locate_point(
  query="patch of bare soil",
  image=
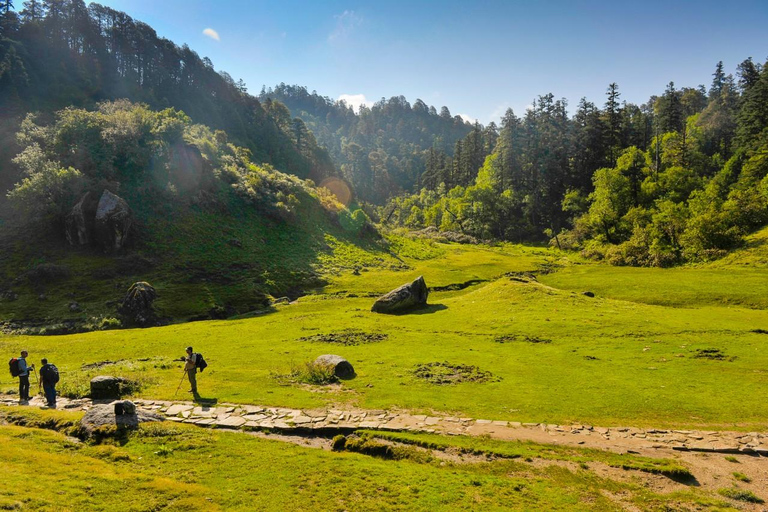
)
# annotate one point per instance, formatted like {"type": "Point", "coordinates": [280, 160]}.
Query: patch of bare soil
{"type": "Point", "coordinates": [348, 337]}
{"type": "Point", "coordinates": [509, 338]}
{"type": "Point", "coordinates": [447, 373]}
{"type": "Point", "coordinates": [306, 441]}
{"type": "Point", "coordinates": [713, 353]}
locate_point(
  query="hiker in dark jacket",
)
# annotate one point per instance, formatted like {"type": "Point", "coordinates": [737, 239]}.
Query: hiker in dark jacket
{"type": "Point", "coordinates": [49, 377]}
{"type": "Point", "coordinates": [24, 377]}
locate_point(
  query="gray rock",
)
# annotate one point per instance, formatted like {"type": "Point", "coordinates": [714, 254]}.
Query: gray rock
{"type": "Point", "coordinates": [126, 406]}
{"type": "Point", "coordinates": [341, 367]}
{"type": "Point", "coordinates": [137, 307]}
{"type": "Point", "coordinates": [113, 222]}
{"type": "Point", "coordinates": [74, 307]}
{"type": "Point", "coordinates": [406, 297]}
{"type": "Point", "coordinates": [104, 414]}
{"type": "Point", "coordinates": [76, 224]}
{"type": "Point", "coordinates": [105, 387]}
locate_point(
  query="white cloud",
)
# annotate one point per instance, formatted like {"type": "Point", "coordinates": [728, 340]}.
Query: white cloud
{"type": "Point", "coordinates": [354, 100]}
{"type": "Point", "coordinates": [468, 119]}
{"type": "Point", "coordinates": [346, 22]}
{"type": "Point", "coordinates": [499, 112]}
{"type": "Point", "coordinates": [212, 34]}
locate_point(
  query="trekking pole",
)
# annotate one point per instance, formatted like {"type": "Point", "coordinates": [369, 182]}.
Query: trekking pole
{"type": "Point", "coordinates": [180, 383]}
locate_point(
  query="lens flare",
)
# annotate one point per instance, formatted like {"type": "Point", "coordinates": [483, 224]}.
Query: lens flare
{"type": "Point", "coordinates": [338, 188]}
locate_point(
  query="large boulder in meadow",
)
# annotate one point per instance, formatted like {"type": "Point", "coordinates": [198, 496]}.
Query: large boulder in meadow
{"type": "Point", "coordinates": [341, 367]}
{"type": "Point", "coordinates": [137, 307]}
{"type": "Point", "coordinates": [101, 415]}
{"type": "Point", "coordinates": [105, 387]}
{"type": "Point", "coordinates": [113, 222]}
{"type": "Point", "coordinates": [408, 296]}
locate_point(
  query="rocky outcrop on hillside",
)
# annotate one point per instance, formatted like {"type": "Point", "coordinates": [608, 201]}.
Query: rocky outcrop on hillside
{"type": "Point", "coordinates": [137, 307]}
{"type": "Point", "coordinates": [113, 222]}
{"type": "Point", "coordinates": [107, 223]}
{"type": "Point", "coordinates": [187, 167]}
{"type": "Point", "coordinates": [77, 224]}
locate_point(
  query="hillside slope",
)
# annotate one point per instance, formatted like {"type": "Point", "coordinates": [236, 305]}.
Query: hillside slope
{"type": "Point", "coordinates": [214, 233]}
{"type": "Point", "coordinates": [73, 55]}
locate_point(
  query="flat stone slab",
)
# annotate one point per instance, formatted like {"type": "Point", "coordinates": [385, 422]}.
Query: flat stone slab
{"type": "Point", "coordinates": [231, 421]}
{"type": "Point", "coordinates": [177, 409]}
{"type": "Point", "coordinates": [255, 417]}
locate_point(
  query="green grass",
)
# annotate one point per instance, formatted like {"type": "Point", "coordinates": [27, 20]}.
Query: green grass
{"type": "Point", "coordinates": [682, 287]}
{"type": "Point", "coordinates": [198, 259]}
{"type": "Point", "coordinates": [182, 467]}
{"type": "Point", "coordinates": [753, 254]}
{"type": "Point", "coordinates": [738, 280]}
{"type": "Point", "coordinates": [609, 362]}
{"type": "Point", "coordinates": [440, 264]}
{"type": "Point", "coordinates": [527, 450]}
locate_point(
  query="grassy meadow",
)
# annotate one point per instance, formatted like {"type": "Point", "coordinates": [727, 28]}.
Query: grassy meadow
{"type": "Point", "coordinates": [658, 348]}
{"type": "Point", "coordinates": [181, 467]}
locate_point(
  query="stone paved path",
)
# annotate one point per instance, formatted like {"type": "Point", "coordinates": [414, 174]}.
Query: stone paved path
{"type": "Point", "coordinates": [328, 421]}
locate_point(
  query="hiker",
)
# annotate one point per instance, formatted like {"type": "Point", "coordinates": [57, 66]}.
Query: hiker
{"type": "Point", "coordinates": [191, 368]}
{"type": "Point", "coordinates": [24, 376]}
{"type": "Point", "coordinates": [49, 377]}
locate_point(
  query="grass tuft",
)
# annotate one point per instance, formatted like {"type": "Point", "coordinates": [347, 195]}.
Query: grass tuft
{"type": "Point", "coordinates": [317, 374]}
{"type": "Point", "coordinates": [740, 495]}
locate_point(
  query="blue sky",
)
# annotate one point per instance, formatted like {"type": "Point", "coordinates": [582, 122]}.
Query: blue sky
{"type": "Point", "coordinates": [476, 57]}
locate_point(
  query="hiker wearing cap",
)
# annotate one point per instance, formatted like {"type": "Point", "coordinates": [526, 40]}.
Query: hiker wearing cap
{"type": "Point", "coordinates": [49, 377]}
{"type": "Point", "coordinates": [190, 367]}
{"type": "Point", "coordinates": [24, 376]}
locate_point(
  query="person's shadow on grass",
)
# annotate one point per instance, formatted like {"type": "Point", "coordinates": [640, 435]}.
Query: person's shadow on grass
{"type": "Point", "coordinates": [203, 400]}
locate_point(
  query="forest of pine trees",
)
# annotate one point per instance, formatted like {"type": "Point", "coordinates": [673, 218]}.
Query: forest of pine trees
{"type": "Point", "coordinates": [382, 149]}
{"type": "Point", "coordinates": [680, 178]}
